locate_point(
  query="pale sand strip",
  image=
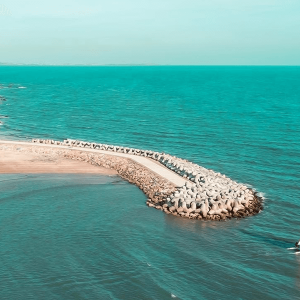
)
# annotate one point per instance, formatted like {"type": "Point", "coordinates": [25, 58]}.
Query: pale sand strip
{"type": "Point", "coordinates": [17, 162]}
{"type": "Point", "coordinates": [61, 165]}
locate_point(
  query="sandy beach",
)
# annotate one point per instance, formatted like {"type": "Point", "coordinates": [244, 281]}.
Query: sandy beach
{"type": "Point", "coordinates": [18, 162]}
{"type": "Point", "coordinates": [24, 157]}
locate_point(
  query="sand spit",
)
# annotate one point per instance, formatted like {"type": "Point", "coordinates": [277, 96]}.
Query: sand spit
{"type": "Point", "coordinates": [13, 161]}
{"type": "Point", "coordinates": [201, 194]}
{"type": "Point", "coordinates": [153, 185]}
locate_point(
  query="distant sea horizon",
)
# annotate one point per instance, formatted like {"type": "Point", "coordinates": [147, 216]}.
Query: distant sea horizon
{"type": "Point", "coordinates": [144, 65]}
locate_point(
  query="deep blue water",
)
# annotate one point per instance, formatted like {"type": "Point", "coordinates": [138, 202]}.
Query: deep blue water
{"type": "Point", "coordinates": [240, 121]}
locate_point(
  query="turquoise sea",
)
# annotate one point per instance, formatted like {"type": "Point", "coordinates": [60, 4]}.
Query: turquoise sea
{"type": "Point", "coordinates": [92, 237]}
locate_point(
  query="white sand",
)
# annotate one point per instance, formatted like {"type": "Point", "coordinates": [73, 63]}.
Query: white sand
{"type": "Point", "coordinates": [18, 162]}
{"type": "Point", "coordinates": [64, 166]}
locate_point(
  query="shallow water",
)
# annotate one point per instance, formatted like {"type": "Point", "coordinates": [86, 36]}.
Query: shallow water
{"type": "Point", "coordinates": [240, 121]}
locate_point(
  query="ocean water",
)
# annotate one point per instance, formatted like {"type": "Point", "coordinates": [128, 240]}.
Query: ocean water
{"type": "Point", "coordinates": [93, 237]}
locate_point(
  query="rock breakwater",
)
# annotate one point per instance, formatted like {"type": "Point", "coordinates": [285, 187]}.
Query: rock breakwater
{"type": "Point", "coordinates": [205, 195]}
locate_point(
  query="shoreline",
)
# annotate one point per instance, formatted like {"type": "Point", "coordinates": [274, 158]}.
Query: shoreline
{"type": "Point", "coordinates": [13, 162]}
{"type": "Point", "coordinates": [173, 185]}
{"type": "Point", "coordinates": [154, 186]}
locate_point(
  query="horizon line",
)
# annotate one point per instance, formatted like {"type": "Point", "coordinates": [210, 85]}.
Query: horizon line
{"type": "Point", "coordinates": [144, 65]}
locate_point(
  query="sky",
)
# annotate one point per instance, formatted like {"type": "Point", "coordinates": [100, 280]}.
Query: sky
{"type": "Point", "coordinates": [159, 32]}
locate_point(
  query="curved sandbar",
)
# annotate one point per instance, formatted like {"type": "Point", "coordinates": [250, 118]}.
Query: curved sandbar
{"type": "Point", "coordinates": [172, 184]}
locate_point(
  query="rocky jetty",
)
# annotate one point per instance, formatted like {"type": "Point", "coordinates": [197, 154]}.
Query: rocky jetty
{"type": "Point", "coordinates": [206, 194]}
